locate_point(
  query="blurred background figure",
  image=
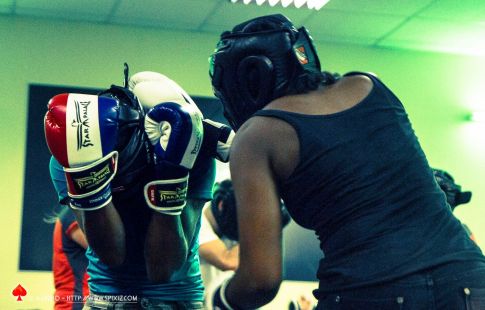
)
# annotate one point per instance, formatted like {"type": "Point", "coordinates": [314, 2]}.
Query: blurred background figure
{"type": "Point", "coordinates": [454, 195]}
{"type": "Point", "coordinates": [69, 261]}
{"type": "Point", "coordinates": [219, 254]}
{"type": "Point", "coordinates": [303, 302]}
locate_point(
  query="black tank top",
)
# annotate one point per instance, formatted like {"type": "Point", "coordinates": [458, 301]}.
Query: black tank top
{"type": "Point", "coordinates": [364, 185]}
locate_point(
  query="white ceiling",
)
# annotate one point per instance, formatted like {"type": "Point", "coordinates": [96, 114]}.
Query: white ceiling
{"type": "Point", "coordinates": [456, 26]}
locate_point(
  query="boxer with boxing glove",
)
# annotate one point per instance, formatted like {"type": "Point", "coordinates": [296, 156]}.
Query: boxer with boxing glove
{"type": "Point", "coordinates": [155, 212]}
{"type": "Point", "coordinates": [342, 154]}
{"type": "Point", "coordinates": [175, 132]}
{"type": "Point", "coordinates": [81, 133]}
{"type": "Point", "coordinates": [156, 92]}
{"type": "Point", "coordinates": [150, 86]}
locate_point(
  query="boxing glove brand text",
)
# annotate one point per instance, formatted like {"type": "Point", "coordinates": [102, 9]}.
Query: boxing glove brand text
{"type": "Point", "coordinates": [179, 194]}
{"type": "Point", "coordinates": [82, 124]}
{"type": "Point", "coordinates": [95, 178]}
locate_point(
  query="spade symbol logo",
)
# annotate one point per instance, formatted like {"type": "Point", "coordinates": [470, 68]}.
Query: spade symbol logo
{"type": "Point", "coordinates": [19, 291]}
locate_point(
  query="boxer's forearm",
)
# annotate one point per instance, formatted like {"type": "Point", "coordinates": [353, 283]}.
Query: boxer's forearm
{"type": "Point", "coordinates": [105, 233]}
{"type": "Point", "coordinates": [168, 240]}
{"type": "Point", "coordinates": [165, 247]}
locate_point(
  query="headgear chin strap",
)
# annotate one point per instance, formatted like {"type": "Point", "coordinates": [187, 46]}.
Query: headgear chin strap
{"type": "Point", "coordinates": [454, 195]}
{"type": "Point", "coordinates": [257, 62]}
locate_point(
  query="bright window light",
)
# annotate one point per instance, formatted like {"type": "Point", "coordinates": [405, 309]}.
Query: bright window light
{"type": "Point", "coordinates": [286, 3]}
{"type": "Point", "coordinates": [299, 4]}
{"type": "Point", "coordinates": [477, 116]}
{"type": "Point", "coordinates": [320, 3]}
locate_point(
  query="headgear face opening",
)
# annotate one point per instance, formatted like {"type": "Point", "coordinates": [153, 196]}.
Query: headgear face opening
{"type": "Point", "coordinates": [454, 195]}
{"type": "Point", "coordinates": [257, 62]}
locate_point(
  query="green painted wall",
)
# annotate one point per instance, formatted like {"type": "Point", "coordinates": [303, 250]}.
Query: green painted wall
{"type": "Point", "coordinates": [437, 89]}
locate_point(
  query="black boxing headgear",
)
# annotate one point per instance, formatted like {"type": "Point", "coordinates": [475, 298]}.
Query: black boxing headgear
{"type": "Point", "coordinates": [132, 144]}
{"type": "Point", "coordinates": [225, 214]}
{"type": "Point", "coordinates": [258, 61]}
{"type": "Point", "coordinates": [453, 192]}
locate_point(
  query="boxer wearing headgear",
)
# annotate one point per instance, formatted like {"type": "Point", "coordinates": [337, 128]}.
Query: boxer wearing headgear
{"type": "Point", "coordinates": [343, 156]}
{"type": "Point", "coordinates": [261, 60]}
{"type": "Point", "coordinates": [141, 211]}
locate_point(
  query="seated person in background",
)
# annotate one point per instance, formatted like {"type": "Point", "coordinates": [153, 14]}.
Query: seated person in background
{"type": "Point", "coordinates": [138, 169]}
{"type": "Point", "coordinates": [454, 195]}
{"type": "Point", "coordinates": [69, 262]}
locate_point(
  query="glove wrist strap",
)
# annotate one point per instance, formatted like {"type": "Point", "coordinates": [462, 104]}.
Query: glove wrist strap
{"type": "Point", "coordinates": [94, 202]}
{"type": "Point", "coordinates": [88, 186]}
{"type": "Point", "coordinates": [167, 196]}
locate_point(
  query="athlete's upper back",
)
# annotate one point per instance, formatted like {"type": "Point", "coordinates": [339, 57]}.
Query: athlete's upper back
{"type": "Point", "coordinates": [363, 183]}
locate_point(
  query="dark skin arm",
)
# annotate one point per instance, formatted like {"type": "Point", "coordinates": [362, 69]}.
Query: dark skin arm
{"type": "Point", "coordinates": [166, 243]}
{"type": "Point", "coordinates": [252, 165]}
{"type": "Point", "coordinates": [168, 239]}
{"type": "Point", "coordinates": [108, 242]}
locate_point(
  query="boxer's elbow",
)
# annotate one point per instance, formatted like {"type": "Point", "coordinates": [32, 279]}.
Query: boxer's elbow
{"type": "Point", "coordinates": [264, 291]}
{"type": "Point", "coordinates": [265, 285]}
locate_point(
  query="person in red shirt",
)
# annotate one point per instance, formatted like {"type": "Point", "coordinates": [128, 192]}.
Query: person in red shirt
{"type": "Point", "coordinates": [69, 262]}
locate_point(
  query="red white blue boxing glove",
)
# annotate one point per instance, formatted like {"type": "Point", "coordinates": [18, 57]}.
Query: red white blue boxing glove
{"type": "Point", "coordinates": [81, 133]}
{"type": "Point", "coordinates": [176, 133]}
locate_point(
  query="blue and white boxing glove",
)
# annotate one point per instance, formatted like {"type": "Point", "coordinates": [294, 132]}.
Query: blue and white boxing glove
{"type": "Point", "coordinates": [81, 132]}
{"type": "Point", "coordinates": [176, 133]}
{"type": "Point", "coordinates": [152, 88]}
